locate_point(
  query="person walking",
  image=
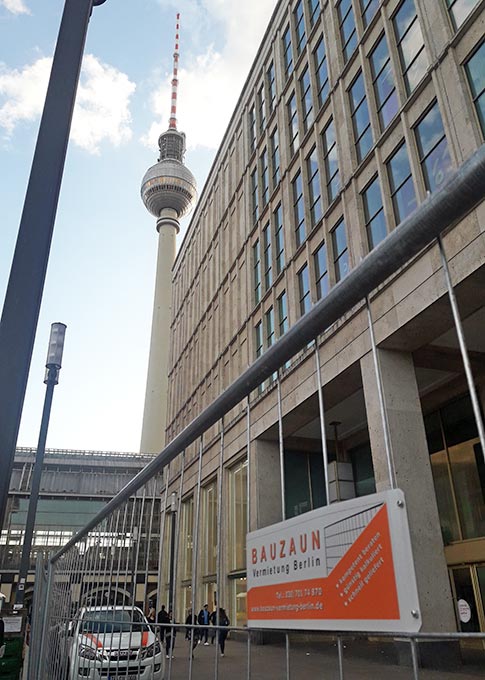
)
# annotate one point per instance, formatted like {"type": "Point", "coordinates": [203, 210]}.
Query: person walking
{"type": "Point", "coordinates": [204, 620]}
{"type": "Point", "coordinates": [213, 621]}
{"type": "Point", "coordinates": [162, 619]}
{"type": "Point", "coordinates": [170, 634]}
{"type": "Point", "coordinates": [152, 612]}
{"type": "Point", "coordinates": [191, 634]}
{"type": "Point", "coordinates": [222, 632]}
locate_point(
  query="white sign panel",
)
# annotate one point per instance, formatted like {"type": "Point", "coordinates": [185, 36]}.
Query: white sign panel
{"type": "Point", "coordinates": [347, 566]}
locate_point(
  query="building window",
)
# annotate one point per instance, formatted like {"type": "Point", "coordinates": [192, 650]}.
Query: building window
{"type": "Point", "coordinates": [275, 158]}
{"type": "Point", "coordinates": [267, 258]}
{"type": "Point", "coordinates": [293, 123]}
{"type": "Point", "coordinates": [401, 182]}
{"type": "Point", "coordinates": [264, 178]}
{"type": "Point", "coordinates": [475, 70]}
{"type": "Point", "coordinates": [313, 11]}
{"type": "Point", "coordinates": [252, 129]}
{"type": "Point", "coordinates": [321, 70]}
{"type": "Point", "coordinates": [360, 117]}
{"type": "Point", "coordinates": [209, 529]}
{"type": "Point", "coordinates": [368, 8]}
{"type": "Point", "coordinates": [299, 27]}
{"type": "Point", "coordinates": [299, 210]}
{"type": "Point", "coordinates": [433, 149]}
{"type": "Point", "coordinates": [279, 239]}
{"type": "Point", "coordinates": [282, 314]}
{"type": "Point", "coordinates": [340, 251]}
{"type": "Point", "coordinates": [348, 32]}
{"type": "Point", "coordinates": [375, 221]}
{"type": "Point", "coordinates": [270, 328]}
{"type": "Point", "coordinates": [261, 110]}
{"type": "Point", "coordinates": [287, 52]}
{"type": "Point", "coordinates": [270, 79]}
{"type": "Point", "coordinates": [383, 81]}
{"type": "Point", "coordinates": [306, 99]}
{"type": "Point", "coordinates": [321, 271]}
{"type": "Point", "coordinates": [410, 43]}
{"type": "Point", "coordinates": [254, 195]}
{"type": "Point", "coordinates": [331, 161]}
{"type": "Point", "coordinates": [304, 290]}
{"type": "Point", "coordinates": [187, 537]}
{"type": "Point", "coordinates": [238, 494]}
{"type": "Point", "coordinates": [314, 187]}
{"type": "Point", "coordinates": [258, 339]}
{"type": "Point", "coordinates": [460, 9]}
{"type": "Point", "coordinates": [257, 272]}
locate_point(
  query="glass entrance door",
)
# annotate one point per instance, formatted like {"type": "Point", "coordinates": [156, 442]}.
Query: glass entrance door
{"type": "Point", "coordinates": [469, 591]}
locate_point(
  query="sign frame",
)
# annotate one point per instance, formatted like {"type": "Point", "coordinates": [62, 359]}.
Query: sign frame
{"type": "Point", "coordinates": [351, 548]}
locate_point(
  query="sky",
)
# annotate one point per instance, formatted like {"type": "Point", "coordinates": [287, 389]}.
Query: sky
{"type": "Point", "coordinates": [101, 274]}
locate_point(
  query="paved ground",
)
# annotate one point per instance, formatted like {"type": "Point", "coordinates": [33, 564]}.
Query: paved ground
{"type": "Point", "coordinates": [307, 662]}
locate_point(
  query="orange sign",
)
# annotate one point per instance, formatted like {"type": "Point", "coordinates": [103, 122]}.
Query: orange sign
{"type": "Point", "coordinates": [335, 568]}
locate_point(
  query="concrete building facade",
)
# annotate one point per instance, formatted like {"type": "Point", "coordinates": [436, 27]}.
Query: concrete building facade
{"type": "Point", "coordinates": [353, 111]}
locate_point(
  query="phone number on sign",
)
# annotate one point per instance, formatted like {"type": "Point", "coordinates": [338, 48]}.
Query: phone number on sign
{"type": "Point", "coordinates": [299, 592]}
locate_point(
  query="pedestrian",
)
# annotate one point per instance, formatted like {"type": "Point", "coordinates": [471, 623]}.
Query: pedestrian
{"type": "Point", "coordinates": [213, 621]}
{"type": "Point", "coordinates": [163, 618]}
{"type": "Point", "coordinates": [152, 612]}
{"type": "Point", "coordinates": [204, 620]}
{"type": "Point", "coordinates": [191, 633]}
{"type": "Point", "coordinates": [170, 634]}
{"type": "Point", "coordinates": [222, 632]}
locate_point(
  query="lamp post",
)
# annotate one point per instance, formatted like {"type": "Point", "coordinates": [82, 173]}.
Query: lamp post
{"type": "Point", "coordinates": [173, 512]}
{"type": "Point", "coordinates": [53, 366]}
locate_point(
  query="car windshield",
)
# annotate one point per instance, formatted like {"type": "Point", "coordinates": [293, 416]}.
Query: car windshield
{"type": "Point", "coordinates": [113, 621]}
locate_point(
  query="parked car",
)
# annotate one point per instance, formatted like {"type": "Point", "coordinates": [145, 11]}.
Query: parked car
{"type": "Point", "coordinates": [113, 643]}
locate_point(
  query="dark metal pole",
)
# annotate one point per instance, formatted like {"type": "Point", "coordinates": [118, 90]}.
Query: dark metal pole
{"type": "Point", "coordinates": [34, 490]}
{"type": "Point", "coordinates": [53, 366]}
{"type": "Point", "coordinates": [27, 275]}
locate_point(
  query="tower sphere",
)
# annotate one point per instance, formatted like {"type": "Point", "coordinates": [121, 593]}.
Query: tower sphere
{"type": "Point", "coordinates": [168, 184]}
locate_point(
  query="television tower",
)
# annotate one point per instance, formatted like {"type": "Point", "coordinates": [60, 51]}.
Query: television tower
{"type": "Point", "coordinates": [169, 192]}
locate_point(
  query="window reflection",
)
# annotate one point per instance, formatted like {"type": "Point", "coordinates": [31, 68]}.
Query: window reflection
{"type": "Point", "coordinates": [433, 149]}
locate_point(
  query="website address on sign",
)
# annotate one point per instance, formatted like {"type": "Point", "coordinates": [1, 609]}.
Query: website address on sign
{"type": "Point", "coordinates": [298, 607]}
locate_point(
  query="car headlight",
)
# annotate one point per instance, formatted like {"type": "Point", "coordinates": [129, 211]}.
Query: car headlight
{"type": "Point", "coordinates": [86, 652]}
{"type": "Point", "coordinates": [152, 650]}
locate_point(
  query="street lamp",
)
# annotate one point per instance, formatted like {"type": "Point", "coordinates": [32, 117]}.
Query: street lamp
{"type": "Point", "coordinates": [53, 366]}
{"type": "Point", "coordinates": [173, 512]}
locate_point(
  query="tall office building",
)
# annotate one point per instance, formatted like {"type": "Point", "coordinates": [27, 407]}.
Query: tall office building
{"type": "Point", "coordinates": [168, 190]}
{"type": "Point", "coordinates": [353, 111]}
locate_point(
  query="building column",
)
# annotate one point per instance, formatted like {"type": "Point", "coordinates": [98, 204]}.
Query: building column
{"type": "Point", "coordinates": [265, 484]}
{"type": "Point", "coordinates": [413, 476]}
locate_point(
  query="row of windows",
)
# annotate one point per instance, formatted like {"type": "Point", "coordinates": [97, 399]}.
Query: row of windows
{"type": "Point", "coordinates": [436, 165]}
{"type": "Point", "coordinates": [434, 159]}
{"type": "Point", "coordinates": [413, 66]}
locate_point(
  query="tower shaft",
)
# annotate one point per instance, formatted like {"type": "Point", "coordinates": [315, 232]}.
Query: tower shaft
{"type": "Point", "coordinates": [156, 394]}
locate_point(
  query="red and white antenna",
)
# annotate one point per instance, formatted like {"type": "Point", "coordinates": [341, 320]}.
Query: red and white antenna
{"type": "Point", "coordinates": [173, 111]}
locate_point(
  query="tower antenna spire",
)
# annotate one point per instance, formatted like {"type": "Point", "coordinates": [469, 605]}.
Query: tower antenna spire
{"type": "Point", "coordinates": [173, 110]}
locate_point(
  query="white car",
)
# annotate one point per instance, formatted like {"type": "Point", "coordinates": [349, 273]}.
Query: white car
{"type": "Point", "coordinates": [113, 643]}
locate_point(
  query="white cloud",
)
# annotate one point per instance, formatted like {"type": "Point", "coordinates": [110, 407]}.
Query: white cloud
{"type": "Point", "coordinates": [102, 105]}
{"type": "Point", "coordinates": [15, 6]}
{"type": "Point", "coordinates": [211, 84]}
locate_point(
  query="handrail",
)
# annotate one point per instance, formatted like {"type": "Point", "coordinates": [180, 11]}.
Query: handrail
{"type": "Point", "coordinates": [464, 190]}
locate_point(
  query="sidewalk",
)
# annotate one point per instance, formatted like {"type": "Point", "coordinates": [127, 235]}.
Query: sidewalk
{"type": "Point", "coordinates": [268, 662]}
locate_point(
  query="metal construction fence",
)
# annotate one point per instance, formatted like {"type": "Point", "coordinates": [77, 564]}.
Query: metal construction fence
{"type": "Point", "coordinates": [85, 620]}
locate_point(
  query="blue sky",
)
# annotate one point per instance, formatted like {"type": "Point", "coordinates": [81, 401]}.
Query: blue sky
{"type": "Point", "coordinates": [101, 272]}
